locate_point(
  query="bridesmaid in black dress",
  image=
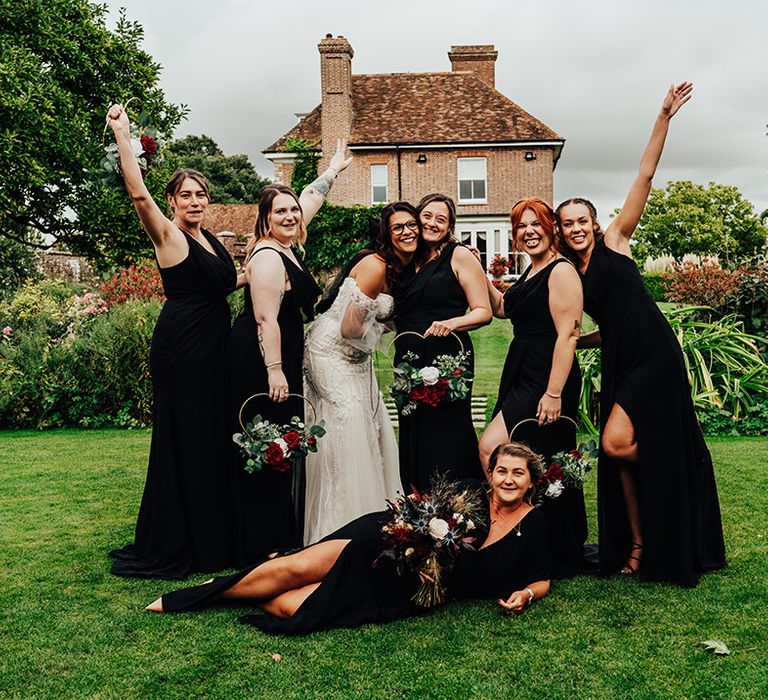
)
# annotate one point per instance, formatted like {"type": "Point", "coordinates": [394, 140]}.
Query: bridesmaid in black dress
{"type": "Point", "coordinates": [541, 377]}
{"type": "Point", "coordinates": [432, 299]}
{"type": "Point", "coordinates": [264, 354]}
{"type": "Point", "coordinates": [181, 526]}
{"type": "Point", "coordinates": [335, 583]}
{"type": "Point", "coordinates": [649, 431]}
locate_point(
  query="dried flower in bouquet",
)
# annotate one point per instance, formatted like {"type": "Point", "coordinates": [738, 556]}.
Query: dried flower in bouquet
{"type": "Point", "coordinates": [428, 530]}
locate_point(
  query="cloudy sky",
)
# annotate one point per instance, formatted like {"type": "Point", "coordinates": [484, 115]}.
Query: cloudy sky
{"type": "Point", "coordinates": [594, 71]}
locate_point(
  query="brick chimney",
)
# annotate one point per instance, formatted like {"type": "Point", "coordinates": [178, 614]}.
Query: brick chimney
{"type": "Point", "coordinates": [478, 58]}
{"type": "Point", "coordinates": [336, 83]}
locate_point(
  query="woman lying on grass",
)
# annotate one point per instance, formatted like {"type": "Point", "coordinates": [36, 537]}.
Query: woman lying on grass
{"type": "Point", "coordinates": [342, 581]}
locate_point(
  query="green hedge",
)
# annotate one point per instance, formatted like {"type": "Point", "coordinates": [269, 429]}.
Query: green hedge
{"type": "Point", "coordinates": [654, 283]}
{"type": "Point", "coordinates": [95, 377]}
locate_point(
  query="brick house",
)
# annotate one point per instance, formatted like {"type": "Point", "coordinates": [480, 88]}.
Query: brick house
{"type": "Point", "coordinates": [415, 133]}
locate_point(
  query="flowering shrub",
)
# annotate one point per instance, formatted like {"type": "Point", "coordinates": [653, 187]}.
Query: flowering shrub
{"type": "Point", "coordinates": [140, 281]}
{"type": "Point", "coordinates": [499, 266]}
{"type": "Point", "coordinates": [750, 300]}
{"type": "Point", "coordinates": [699, 284]}
{"type": "Point", "coordinates": [99, 377]}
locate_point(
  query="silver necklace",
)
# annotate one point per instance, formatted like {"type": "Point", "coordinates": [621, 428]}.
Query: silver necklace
{"type": "Point", "coordinates": [499, 515]}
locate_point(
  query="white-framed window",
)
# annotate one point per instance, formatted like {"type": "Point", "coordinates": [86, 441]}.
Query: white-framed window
{"type": "Point", "coordinates": [472, 180]}
{"type": "Point", "coordinates": [379, 184]}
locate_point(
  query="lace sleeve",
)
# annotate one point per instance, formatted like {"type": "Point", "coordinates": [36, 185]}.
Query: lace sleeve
{"type": "Point", "coordinates": [359, 326]}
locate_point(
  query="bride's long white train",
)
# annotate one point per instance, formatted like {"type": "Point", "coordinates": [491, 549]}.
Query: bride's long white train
{"type": "Point", "coordinates": [356, 467]}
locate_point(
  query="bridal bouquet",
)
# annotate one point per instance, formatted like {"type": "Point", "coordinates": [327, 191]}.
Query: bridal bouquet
{"type": "Point", "coordinates": [449, 379]}
{"type": "Point", "coordinates": [566, 469]}
{"type": "Point", "coordinates": [428, 530]}
{"type": "Point", "coordinates": [277, 447]}
{"type": "Point", "coordinates": [147, 149]}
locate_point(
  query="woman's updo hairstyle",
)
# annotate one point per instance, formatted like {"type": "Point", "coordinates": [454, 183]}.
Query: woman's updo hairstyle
{"type": "Point", "coordinates": [532, 461]}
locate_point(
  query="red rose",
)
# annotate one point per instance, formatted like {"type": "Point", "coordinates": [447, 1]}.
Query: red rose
{"type": "Point", "coordinates": [457, 372]}
{"type": "Point", "coordinates": [292, 439]}
{"type": "Point", "coordinates": [420, 393]}
{"type": "Point", "coordinates": [283, 466]}
{"type": "Point", "coordinates": [576, 454]}
{"type": "Point", "coordinates": [274, 454]}
{"type": "Point", "coordinates": [149, 145]}
{"type": "Point", "coordinates": [312, 441]}
{"type": "Point", "coordinates": [436, 392]}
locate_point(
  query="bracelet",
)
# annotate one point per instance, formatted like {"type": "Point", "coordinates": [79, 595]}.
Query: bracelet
{"type": "Point", "coordinates": [274, 364]}
{"type": "Point", "coordinates": [554, 396]}
{"type": "Point", "coordinates": [531, 596]}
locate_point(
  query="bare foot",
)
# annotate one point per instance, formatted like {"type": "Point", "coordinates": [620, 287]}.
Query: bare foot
{"type": "Point", "coordinates": [157, 606]}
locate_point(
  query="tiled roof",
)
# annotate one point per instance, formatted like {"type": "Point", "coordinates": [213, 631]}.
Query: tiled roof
{"type": "Point", "coordinates": [237, 218]}
{"type": "Point", "coordinates": [428, 108]}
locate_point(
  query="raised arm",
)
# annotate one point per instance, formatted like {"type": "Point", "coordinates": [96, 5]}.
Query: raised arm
{"type": "Point", "coordinates": [159, 228]}
{"type": "Point", "coordinates": [623, 226]}
{"type": "Point", "coordinates": [566, 304]}
{"type": "Point", "coordinates": [473, 281]}
{"type": "Point", "coordinates": [266, 277]}
{"type": "Point", "coordinates": [314, 194]}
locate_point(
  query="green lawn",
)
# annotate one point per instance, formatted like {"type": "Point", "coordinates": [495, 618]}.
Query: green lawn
{"type": "Point", "coordinates": [71, 630]}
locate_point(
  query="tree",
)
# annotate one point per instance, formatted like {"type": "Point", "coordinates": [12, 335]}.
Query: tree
{"type": "Point", "coordinates": [60, 70]}
{"type": "Point", "coordinates": [689, 218]}
{"type": "Point", "coordinates": [233, 179]}
{"type": "Point", "coordinates": [17, 260]}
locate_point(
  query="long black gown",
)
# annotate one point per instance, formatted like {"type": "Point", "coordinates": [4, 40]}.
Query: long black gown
{"type": "Point", "coordinates": [439, 439]}
{"type": "Point", "coordinates": [356, 591]}
{"type": "Point", "coordinates": [181, 526]}
{"type": "Point", "coordinates": [523, 382]}
{"type": "Point", "coordinates": [643, 370]}
{"type": "Point", "coordinates": [267, 507]}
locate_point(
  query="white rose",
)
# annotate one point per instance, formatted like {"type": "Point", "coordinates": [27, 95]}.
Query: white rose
{"type": "Point", "coordinates": [138, 149]}
{"type": "Point", "coordinates": [438, 528]}
{"type": "Point", "coordinates": [554, 489]}
{"type": "Point", "coordinates": [458, 517]}
{"type": "Point", "coordinates": [283, 445]}
{"type": "Point", "coordinates": [429, 375]}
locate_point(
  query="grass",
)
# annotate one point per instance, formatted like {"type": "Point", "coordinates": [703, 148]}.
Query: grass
{"type": "Point", "coordinates": [71, 630]}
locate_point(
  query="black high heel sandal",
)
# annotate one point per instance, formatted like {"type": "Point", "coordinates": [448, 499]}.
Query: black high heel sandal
{"type": "Point", "coordinates": [631, 569]}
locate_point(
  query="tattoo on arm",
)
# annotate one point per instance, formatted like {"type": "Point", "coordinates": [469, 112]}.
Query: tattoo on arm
{"type": "Point", "coordinates": [576, 325]}
{"type": "Point", "coordinates": [322, 186]}
{"type": "Point", "coordinates": [260, 337]}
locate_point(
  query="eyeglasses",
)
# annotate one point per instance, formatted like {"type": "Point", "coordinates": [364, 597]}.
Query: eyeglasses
{"type": "Point", "coordinates": [399, 229]}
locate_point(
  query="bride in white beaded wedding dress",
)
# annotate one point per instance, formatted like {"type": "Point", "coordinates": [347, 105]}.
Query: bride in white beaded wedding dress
{"type": "Point", "coordinates": [356, 467]}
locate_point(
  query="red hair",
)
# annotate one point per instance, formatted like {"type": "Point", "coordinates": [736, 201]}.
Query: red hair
{"type": "Point", "coordinates": [541, 209]}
